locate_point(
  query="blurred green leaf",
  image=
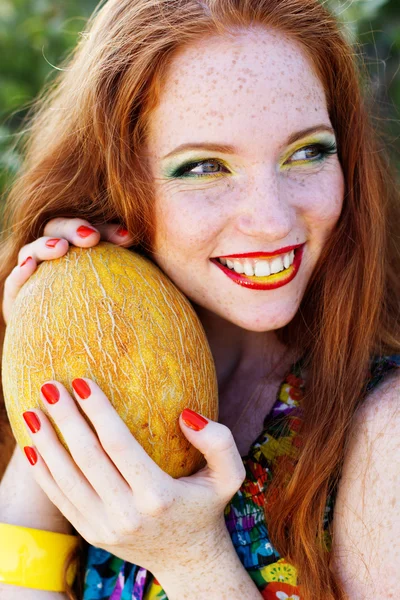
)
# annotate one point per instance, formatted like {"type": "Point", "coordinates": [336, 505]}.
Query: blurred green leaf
{"type": "Point", "coordinates": [37, 34]}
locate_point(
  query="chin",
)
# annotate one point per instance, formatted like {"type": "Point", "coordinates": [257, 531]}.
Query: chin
{"type": "Point", "coordinates": [261, 321]}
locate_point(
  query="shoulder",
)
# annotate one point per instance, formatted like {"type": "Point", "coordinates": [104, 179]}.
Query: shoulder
{"type": "Point", "coordinates": [366, 527]}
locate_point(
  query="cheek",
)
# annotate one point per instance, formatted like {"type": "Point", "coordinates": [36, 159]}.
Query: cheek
{"type": "Point", "coordinates": [184, 225]}
{"type": "Point", "coordinates": [320, 202]}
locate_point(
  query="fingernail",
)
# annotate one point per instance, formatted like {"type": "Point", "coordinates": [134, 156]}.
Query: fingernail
{"type": "Point", "coordinates": [25, 261]}
{"type": "Point", "coordinates": [50, 392]}
{"type": "Point", "coordinates": [84, 231]}
{"type": "Point", "coordinates": [81, 388]}
{"type": "Point", "coordinates": [193, 420]}
{"type": "Point", "coordinates": [32, 420]}
{"type": "Point", "coordinates": [122, 232]}
{"type": "Point", "coordinates": [52, 243]}
{"type": "Point", "coordinates": [31, 454]}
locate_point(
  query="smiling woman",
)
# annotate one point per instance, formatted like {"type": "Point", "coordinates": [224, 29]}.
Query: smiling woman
{"type": "Point", "coordinates": [227, 141]}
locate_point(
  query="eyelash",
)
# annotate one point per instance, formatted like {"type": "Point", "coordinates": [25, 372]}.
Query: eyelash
{"type": "Point", "coordinates": [324, 150]}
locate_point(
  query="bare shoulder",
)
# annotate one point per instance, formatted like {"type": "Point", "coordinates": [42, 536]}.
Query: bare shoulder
{"type": "Point", "coordinates": [366, 525]}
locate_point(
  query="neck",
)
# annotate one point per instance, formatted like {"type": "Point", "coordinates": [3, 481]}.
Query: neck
{"type": "Point", "coordinates": [240, 353]}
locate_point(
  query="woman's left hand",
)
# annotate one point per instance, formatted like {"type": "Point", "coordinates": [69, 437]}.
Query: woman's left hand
{"type": "Point", "coordinates": [117, 497]}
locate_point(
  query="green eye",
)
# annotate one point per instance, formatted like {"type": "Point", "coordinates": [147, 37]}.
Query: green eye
{"type": "Point", "coordinates": [193, 169]}
{"type": "Point", "coordinates": [312, 153]}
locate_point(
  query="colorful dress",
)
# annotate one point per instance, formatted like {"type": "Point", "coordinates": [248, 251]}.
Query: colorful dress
{"type": "Point", "coordinates": [111, 578]}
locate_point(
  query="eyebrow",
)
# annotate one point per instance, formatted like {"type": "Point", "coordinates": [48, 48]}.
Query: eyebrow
{"type": "Point", "coordinates": [228, 149]}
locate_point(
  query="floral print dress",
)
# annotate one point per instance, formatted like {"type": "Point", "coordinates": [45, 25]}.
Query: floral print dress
{"type": "Point", "coordinates": [111, 578]}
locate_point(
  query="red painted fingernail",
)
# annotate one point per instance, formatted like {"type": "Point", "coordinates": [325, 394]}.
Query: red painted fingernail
{"type": "Point", "coordinates": [81, 388]}
{"type": "Point", "coordinates": [122, 232]}
{"type": "Point", "coordinates": [84, 231]}
{"type": "Point", "coordinates": [25, 261]}
{"type": "Point", "coordinates": [193, 420]}
{"type": "Point", "coordinates": [50, 392]}
{"type": "Point", "coordinates": [52, 243]}
{"type": "Point", "coordinates": [31, 454]}
{"type": "Point", "coordinates": [32, 420]}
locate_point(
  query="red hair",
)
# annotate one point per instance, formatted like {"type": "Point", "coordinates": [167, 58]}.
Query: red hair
{"type": "Point", "coordinates": [83, 158]}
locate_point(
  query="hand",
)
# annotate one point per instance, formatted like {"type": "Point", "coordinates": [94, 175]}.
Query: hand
{"type": "Point", "coordinates": [58, 234]}
{"type": "Point", "coordinates": [118, 498]}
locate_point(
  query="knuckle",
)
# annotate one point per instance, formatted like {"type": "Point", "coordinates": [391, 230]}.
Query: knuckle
{"type": "Point", "coordinates": [89, 457]}
{"type": "Point", "coordinates": [67, 484]}
{"type": "Point", "coordinates": [55, 224]}
{"type": "Point", "coordinates": [113, 444]}
{"type": "Point", "coordinates": [156, 505]}
{"type": "Point", "coordinates": [24, 252]}
{"type": "Point", "coordinates": [223, 439]}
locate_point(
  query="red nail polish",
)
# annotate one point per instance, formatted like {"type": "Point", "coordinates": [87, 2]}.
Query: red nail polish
{"type": "Point", "coordinates": [122, 232]}
{"type": "Point", "coordinates": [84, 231]}
{"type": "Point", "coordinates": [50, 392]}
{"type": "Point", "coordinates": [31, 454]}
{"type": "Point", "coordinates": [25, 261]}
{"type": "Point", "coordinates": [193, 420]}
{"type": "Point", "coordinates": [52, 243]}
{"type": "Point", "coordinates": [32, 420]}
{"type": "Point", "coordinates": [81, 388]}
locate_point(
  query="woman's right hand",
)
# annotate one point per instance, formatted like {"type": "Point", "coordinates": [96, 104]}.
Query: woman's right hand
{"type": "Point", "coordinates": [59, 233]}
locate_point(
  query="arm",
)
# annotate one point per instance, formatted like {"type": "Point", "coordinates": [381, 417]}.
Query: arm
{"type": "Point", "coordinates": [366, 526]}
{"type": "Point", "coordinates": [23, 502]}
{"type": "Point", "coordinates": [221, 577]}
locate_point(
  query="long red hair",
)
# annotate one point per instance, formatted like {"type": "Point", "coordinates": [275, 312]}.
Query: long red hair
{"type": "Point", "coordinates": [83, 158]}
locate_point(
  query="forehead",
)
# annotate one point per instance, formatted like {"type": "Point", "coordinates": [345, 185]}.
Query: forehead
{"type": "Point", "coordinates": [256, 80]}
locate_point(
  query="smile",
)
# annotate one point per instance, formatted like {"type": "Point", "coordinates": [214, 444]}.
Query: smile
{"type": "Point", "coordinates": [266, 271]}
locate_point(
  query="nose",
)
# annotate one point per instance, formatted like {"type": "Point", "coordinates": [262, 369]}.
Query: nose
{"type": "Point", "coordinates": [265, 211]}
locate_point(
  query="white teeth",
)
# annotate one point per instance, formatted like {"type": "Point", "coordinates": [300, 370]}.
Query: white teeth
{"type": "Point", "coordinates": [276, 265]}
{"type": "Point", "coordinates": [238, 266]}
{"type": "Point", "coordinates": [262, 268]}
{"type": "Point", "coordinates": [248, 268]}
{"type": "Point", "coordinates": [286, 261]}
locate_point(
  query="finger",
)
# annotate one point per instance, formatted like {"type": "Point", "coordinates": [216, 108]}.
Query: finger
{"type": "Point", "coordinates": [77, 231]}
{"type": "Point", "coordinates": [215, 441]}
{"type": "Point", "coordinates": [44, 248]}
{"type": "Point", "coordinates": [14, 282]}
{"type": "Point", "coordinates": [64, 471]}
{"type": "Point", "coordinates": [115, 233]}
{"type": "Point", "coordinates": [83, 444]}
{"type": "Point", "coordinates": [121, 446]}
{"type": "Point", "coordinates": [45, 480]}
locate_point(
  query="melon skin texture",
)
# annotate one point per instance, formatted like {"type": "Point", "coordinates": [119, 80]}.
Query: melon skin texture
{"type": "Point", "coordinates": [111, 315]}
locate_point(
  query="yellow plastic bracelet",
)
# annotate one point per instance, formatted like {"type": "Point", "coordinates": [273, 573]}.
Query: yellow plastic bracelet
{"type": "Point", "coordinates": [34, 558]}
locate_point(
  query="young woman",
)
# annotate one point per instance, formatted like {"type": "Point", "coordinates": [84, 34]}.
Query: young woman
{"type": "Point", "coordinates": [228, 141]}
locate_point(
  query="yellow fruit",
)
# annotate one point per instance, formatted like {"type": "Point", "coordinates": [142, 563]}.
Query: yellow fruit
{"type": "Point", "coordinates": [109, 314]}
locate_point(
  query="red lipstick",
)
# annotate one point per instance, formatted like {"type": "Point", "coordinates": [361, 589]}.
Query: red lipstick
{"type": "Point", "coordinates": [269, 282]}
{"type": "Point", "coordinates": [262, 254]}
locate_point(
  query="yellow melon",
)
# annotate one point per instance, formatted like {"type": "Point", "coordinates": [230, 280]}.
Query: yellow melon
{"type": "Point", "coordinates": [109, 314]}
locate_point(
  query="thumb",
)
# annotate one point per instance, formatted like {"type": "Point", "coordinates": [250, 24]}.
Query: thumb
{"type": "Point", "coordinates": [215, 441]}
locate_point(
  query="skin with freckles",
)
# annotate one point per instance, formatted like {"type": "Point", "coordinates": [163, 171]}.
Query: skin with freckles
{"type": "Point", "coordinates": [278, 186]}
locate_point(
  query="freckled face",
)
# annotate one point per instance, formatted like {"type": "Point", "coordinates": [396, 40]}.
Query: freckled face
{"type": "Point", "coordinates": [276, 186]}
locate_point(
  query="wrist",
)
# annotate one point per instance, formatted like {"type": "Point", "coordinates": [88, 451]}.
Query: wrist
{"type": "Point", "coordinates": [214, 572]}
{"type": "Point", "coordinates": [24, 503]}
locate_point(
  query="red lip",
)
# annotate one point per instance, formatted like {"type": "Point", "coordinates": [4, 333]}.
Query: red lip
{"type": "Point", "coordinates": [276, 281]}
{"type": "Point", "coordinates": [284, 250]}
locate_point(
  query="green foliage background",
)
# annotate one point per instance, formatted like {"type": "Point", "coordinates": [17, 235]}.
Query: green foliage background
{"type": "Point", "coordinates": [35, 35]}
